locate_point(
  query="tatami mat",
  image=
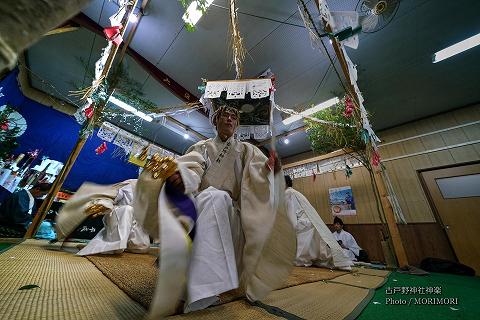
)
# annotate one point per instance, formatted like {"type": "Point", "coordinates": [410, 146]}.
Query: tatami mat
{"type": "Point", "coordinates": [136, 274]}
{"type": "Point", "coordinates": [319, 300]}
{"type": "Point", "coordinates": [371, 272]}
{"type": "Point", "coordinates": [236, 310]}
{"type": "Point", "coordinates": [302, 275]}
{"type": "Point", "coordinates": [360, 280]}
{"type": "Point", "coordinates": [70, 287]}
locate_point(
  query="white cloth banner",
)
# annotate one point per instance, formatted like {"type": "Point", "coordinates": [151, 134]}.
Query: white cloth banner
{"type": "Point", "coordinates": [258, 88]}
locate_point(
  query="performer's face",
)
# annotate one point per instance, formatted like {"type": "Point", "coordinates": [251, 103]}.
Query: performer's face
{"type": "Point", "coordinates": [227, 123]}
{"type": "Point", "coordinates": [338, 227]}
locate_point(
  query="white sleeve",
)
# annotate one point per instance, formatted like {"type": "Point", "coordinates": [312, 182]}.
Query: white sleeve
{"type": "Point", "coordinates": [352, 244]}
{"type": "Point", "coordinates": [292, 207]}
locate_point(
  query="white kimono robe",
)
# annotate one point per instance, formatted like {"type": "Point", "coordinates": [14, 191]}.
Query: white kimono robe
{"type": "Point", "coordinates": [121, 230]}
{"type": "Point", "coordinates": [349, 242]}
{"type": "Point", "coordinates": [315, 243]}
{"type": "Point", "coordinates": [243, 237]}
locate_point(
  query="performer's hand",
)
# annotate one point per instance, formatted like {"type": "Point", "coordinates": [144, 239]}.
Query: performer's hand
{"type": "Point", "coordinates": [175, 180]}
{"type": "Point", "coordinates": [96, 210]}
{"type": "Point", "coordinates": [274, 162]}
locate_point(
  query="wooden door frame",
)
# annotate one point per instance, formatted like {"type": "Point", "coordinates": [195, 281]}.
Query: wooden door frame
{"type": "Point", "coordinates": [430, 199]}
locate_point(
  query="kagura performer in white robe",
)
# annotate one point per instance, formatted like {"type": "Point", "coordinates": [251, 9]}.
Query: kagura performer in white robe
{"type": "Point", "coordinates": [345, 240]}
{"type": "Point", "coordinates": [315, 243]}
{"type": "Point", "coordinates": [121, 230]}
{"type": "Point", "coordinates": [242, 235]}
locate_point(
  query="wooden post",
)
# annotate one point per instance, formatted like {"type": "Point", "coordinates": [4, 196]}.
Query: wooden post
{"type": "Point", "coordinates": [42, 211]}
{"type": "Point", "coordinates": [57, 184]}
{"type": "Point", "coordinates": [387, 208]}
{"type": "Point", "coordinates": [391, 222]}
{"type": "Point", "coordinates": [25, 21]}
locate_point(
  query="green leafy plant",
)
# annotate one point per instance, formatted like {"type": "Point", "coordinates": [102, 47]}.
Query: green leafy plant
{"type": "Point", "coordinates": [126, 89]}
{"type": "Point", "coordinates": [201, 4]}
{"type": "Point", "coordinates": [327, 138]}
{"type": "Point", "coordinates": [344, 132]}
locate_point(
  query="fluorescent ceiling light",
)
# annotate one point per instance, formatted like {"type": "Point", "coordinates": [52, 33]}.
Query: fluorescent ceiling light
{"type": "Point", "coordinates": [194, 13]}
{"type": "Point", "coordinates": [129, 108]}
{"type": "Point", "coordinates": [312, 110]}
{"type": "Point", "coordinates": [456, 48]}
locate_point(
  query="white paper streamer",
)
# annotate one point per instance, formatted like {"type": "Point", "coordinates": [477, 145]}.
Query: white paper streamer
{"type": "Point", "coordinates": [325, 13]}
{"type": "Point", "coordinates": [214, 89]}
{"type": "Point", "coordinates": [124, 140]}
{"type": "Point", "coordinates": [243, 132]}
{"type": "Point", "coordinates": [107, 132]}
{"type": "Point", "coordinates": [258, 88]}
{"type": "Point", "coordinates": [261, 132]}
{"type": "Point", "coordinates": [236, 90]}
{"type": "Point", "coordinates": [100, 64]}
{"type": "Point", "coordinates": [352, 68]}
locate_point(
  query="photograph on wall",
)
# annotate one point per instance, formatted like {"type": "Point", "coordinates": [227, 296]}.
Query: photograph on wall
{"type": "Point", "coordinates": [342, 202]}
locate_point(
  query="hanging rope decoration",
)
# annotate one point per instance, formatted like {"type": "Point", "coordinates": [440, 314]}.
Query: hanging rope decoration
{"type": "Point", "coordinates": [314, 38]}
{"type": "Point", "coordinates": [295, 113]}
{"type": "Point", "coordinates": [238, 49]}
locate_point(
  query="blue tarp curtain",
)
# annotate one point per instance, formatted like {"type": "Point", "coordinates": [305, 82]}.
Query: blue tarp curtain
{"type": "Point", "coordinates": [55, 134]}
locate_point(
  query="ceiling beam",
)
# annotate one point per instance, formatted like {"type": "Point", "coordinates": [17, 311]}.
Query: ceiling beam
{"type": "Point", "coordinates": [173, 86]}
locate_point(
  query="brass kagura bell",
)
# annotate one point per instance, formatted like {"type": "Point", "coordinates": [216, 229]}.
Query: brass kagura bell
{"type": "Point", "coordinates": [161, 167]}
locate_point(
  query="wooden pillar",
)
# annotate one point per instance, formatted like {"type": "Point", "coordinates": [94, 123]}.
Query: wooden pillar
{"type": "Point", "coordinates": [42, 211]}
{"type": "Point", "coordinates": [391, 222]}
{"type": "Point", "coordinates": [57, 184]}
{"type": "Point", "coordinates": [23, 22]}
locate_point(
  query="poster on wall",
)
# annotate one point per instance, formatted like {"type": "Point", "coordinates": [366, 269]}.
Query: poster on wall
{"type": "Point", "coordinates": [341, 201]}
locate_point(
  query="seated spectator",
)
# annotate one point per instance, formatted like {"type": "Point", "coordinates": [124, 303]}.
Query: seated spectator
{"type": "Point", "coordinates": [347, 242]}
{"type": "Point", "coordinates": [18, 209]}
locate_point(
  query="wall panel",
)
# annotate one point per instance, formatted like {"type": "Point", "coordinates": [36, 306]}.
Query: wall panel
{"type": "Point", "coordinates": [403, 171]}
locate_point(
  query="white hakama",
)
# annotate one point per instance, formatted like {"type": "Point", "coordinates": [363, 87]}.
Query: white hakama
{"type": "Point", "coordinates": [217, 249]}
